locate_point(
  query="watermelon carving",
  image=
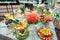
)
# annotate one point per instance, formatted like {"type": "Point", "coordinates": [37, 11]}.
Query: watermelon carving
{"type": "Point", "coordinates": [32, 17]}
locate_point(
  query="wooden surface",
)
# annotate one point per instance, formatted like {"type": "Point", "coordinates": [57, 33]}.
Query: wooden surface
{"type": "Point", "coordinates": [3, 9]}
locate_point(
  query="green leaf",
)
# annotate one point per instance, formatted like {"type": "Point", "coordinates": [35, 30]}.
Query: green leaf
{"type": "Point", "coordinates": [39, 10]}
{"type": "Point", "coordinates": [47, 12]}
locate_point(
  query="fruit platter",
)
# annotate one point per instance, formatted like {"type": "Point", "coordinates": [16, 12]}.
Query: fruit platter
{"type": "Point", "coordinates": [29, 26]}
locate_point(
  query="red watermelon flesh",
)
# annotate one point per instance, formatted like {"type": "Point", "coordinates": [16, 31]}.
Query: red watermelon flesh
{"type": "Point", "coordinates": [32, 17]}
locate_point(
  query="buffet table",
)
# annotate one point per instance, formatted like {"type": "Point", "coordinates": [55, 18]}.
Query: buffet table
{"type": "Point", "coordinates": [29, 23]}
{"type": "Point", "coordinates": [32, 31]}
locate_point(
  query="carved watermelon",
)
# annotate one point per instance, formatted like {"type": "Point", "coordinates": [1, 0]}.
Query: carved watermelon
{"type": "Point", "coordinates": [32, 17]}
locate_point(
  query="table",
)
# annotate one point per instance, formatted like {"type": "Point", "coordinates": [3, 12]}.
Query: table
{"type": "Point", "coordinates": [32, 31]}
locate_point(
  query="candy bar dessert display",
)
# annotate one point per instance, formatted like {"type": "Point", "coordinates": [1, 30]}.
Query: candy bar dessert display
{"type": "Point", "coordinates": [29, 24]}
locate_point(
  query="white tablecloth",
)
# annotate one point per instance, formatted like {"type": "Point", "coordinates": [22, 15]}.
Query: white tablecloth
{"type": "Point", "coordinates": [32, 31]}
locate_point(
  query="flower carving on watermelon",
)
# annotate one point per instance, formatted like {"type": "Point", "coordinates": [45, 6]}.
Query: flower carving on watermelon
{"type": "Point", "coordinates": [32, 17]}
{"type": "Point", "coordinates": [45, 33]}
{"type": "Point", "coordinates": [45, 18]}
